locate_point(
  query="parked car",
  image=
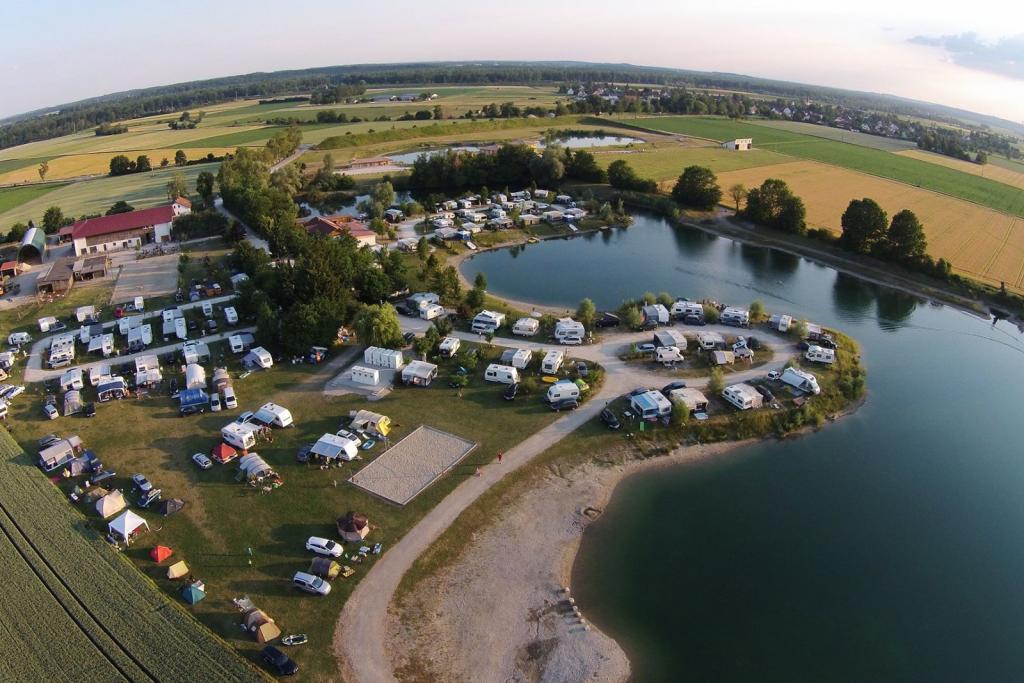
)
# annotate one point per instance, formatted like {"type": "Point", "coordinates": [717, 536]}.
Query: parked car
{"type": "Point", "coordinates": [147, 499]}
{"type": "Point", "coordinates": [608, 320]}
{"type": "Point", "coordinates": [672, 386]}
{"type": "Point", "coordinates": [201, 461]}
{"type": "Point", "coordinates": [175, 391]}
{"type": "Point", "coordinates": [582, 369]}
{"type": "Point", "coordinates": [48, 441]}
{"type": "Point", "coordinates": [303, 454]}
{"type": "Point", "coordinates": [215, 405]}
{"type": "Point", "coordinates": [247, 416]}
{"type": "Point", "coordinates": [565, 404]}
{"type": "Point", "coordinates": [408, 337]}
{"type": "Point", "coordinates": [645, 348]}
{"type": "Point", "coordinates": [610, 419]}
{"type": "Point", "coordinates": [140, 482]}
{"type": "Point", "coordinates": [571, 341]}
{"type": "Point", "coordinates": [768, 396]}
{"type": "Point", "coordinates": [803, 345]}
{"type": "Point", "coordinates": [350, 435]}
{"type": "Point", "coordinates": [323, 546]}
{"type": "Point", "coordinates": [89, 410]}
{"type": "Point", "coordinates": [694, 320]}
{"type": "Point", "coordinates": [510, 391]}
{"type": "Point", "coordinates": [50, 411]}
{"type": "Point", "coordinates": [281, 663]}
{"type": "Point", "coordinates": [774, 375]}
{"type": "Point", "coordinates": [638, 391]}
{"type": "Point", "coordinates": [310, 583]}
{"type": "Point", "coordinates": [11, 392]}
{"type": "Point", "coordinates": [211, 326]}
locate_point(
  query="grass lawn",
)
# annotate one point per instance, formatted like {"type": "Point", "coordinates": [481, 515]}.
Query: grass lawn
{"type": "Point", "coordinates": [904, 169]}
{"type": "Point", "coordinates": [141, 190]}
{"type": "Point", "coordinates": [223, 518]}
{"type": "Point", "coordinates": [13, 197]}
{"type": "Point", "coordinates": [23, 318]}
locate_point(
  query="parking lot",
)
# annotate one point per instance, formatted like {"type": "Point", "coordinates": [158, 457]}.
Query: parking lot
{"type": "Point", "coordinates": [153, 276]}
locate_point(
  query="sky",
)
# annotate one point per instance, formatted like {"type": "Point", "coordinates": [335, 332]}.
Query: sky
{"type": "Point", "coordinates": [968, 56]}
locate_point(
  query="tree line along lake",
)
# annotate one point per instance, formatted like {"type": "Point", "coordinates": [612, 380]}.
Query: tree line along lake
{"type": "Point", "coordinates": [886, 546]}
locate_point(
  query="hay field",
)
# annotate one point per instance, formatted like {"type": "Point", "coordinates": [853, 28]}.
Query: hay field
{"type": "Point", "coordinates": [665, 161]}
{"type": "Point", "coordinates": [1009, 176]}
{"type": "Point", "coordinates": [75, 165]}
{"type": "Point", "coordinates": [984, 244]}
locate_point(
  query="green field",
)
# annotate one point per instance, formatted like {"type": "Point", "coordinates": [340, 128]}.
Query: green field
{"type": "Point", "coordinates": [1011, 164]}
{"type": "Point", "coordinates": [236, 139]}
{"type": "Point", "coordinates": [13, 197]}
{"type": "Point", "coordinates": [915, 172]}
{"type": "Point", "coordinates": [70, 596]}
{"type": "Point", "coordinates": [667, 161]}
{"type": "Point", "coordinates": [96, 196]}
{"type": "Point", "coordinates": [840, 135]}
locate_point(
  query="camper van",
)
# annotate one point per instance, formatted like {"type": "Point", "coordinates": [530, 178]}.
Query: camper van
{"type": "Point", "coordinates": [230, 402]}
{"type": "Point", "coordinates": [567, 327]}
{"type": "Point", "coordinates": [273, 414]}
{"type": "Point", "coordinates": [207, 309]}
{"type": "Point", "coordinates": [231, 315]}
{"type": "Point", "coordinates": [818, 354]}
{"type": "Point", "coordinates": [560, 391]}
{"type": "Point", "coordinates": [552, 361]}
{"type": "Point", "coordinates": [506, 374]}
{"type": "Point", "coordinates": [240, 435]}
{"type": "Point", "coordinates": [487, 322]}
{"type": "Point", "coordinates": [431, 311]}
{"type": "Point", "coordinates": [804, 381]}
{"type": "Point", "coordinates": [180, 328]}
{"type": "Point", "coordinates": [448, 346]}
{"type": "Point", "coordinates": [195, 376]}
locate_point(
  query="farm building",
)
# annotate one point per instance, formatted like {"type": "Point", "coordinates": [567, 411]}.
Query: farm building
{"type": "Point", "coordinates": [333, 227]}
{"type": "Point", "coordinates": [33, 246]}
{"type": "Point", "coordinates": [739, 144]}
{"type": "Point", "coordinates": [91, 268]}
{"type": "Point", "coordinates": [58, 279]}
{"type": "Point", "coordinates": [364, 375]}
{"type": "Point", "coordinates": [128, 230]}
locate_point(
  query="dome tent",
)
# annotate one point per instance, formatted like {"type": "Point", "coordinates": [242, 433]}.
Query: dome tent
{"type": "Point", "coordinates": [353, 527]}
{"type": "Point", "coordinates": [160, 553]}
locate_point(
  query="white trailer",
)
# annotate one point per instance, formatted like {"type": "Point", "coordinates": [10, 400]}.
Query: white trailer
{"type": "Point", "coordinates": [240, 435]}
{"type": "Point", "coordinates": [526, 327]}
{"type": "Point", "coordinates": [449, 346]}
{"type": "Point", "coordinates": [552, 361]}
{"type": "Point", "coordinates": [231, 315]}
{"type": "Point", "coordinates": [505, 374]}
{"type": "Point", "coordinates": [819, 354]}
{"type": "Point", "coordinates": [802, 380]}
{"type": "Point", "coordinates": [562, 390]}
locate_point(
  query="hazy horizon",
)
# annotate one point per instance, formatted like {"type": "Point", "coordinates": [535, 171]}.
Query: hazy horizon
{"type": "Point", "coordinates": [908, 50]}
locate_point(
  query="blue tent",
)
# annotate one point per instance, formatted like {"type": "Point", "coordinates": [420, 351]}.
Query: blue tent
{"type": "Point", "coordinates": [192, 594]}
{"type": "Point", "coordinates": [193, 397]}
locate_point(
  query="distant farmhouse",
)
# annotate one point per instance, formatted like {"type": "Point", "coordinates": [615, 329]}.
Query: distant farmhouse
{"type": "Point", "coordinates": [739, 144]}
{"type": "Point", "coordinates": [128, 230]}
{"type": "Point", "coordinates": [332, 227]}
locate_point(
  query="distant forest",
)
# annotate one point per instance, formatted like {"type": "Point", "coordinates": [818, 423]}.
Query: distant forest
{"type": "Point", "coordinates": [77, 116]}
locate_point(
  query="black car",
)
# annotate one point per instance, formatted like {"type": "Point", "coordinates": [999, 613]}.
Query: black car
{"type": "Point", "coordinates": [803, 345]}
{"type": "Point", "coordinates": [582, 370]}
{"type": "Point", "coordinates": [610, 419]}
{"type": "Point", "coordinates": [768, 396]}
{"type": "Point", "coordinates": [608, 320]}
{"type": "Point", "coordinates": [279, 661]}
{"type": "Point", "coordinates": [408, 337]}
{"type": "Point", "coordinates": [90, 410]}
{"type": "Point", "coordinates": [192, 324]}
{"type": "Point", "coordinates": [671, 386]}
{"type": "Point", "coordinates": [565, 404]}
{"type": "Point", "coordinates": [211, 325]}
{"type": "Point", "coordinates": [694, 320]}
{"type": "Point", "coordinates": [511, 391]}
{"type": "Point", "coordinates": [174, 388]}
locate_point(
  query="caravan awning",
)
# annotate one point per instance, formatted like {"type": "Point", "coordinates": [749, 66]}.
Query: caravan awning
{"type": "Point", "coordinates": [332, 446]}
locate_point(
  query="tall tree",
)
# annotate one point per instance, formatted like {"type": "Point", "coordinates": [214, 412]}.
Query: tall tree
{"type": "Point", "coordinates": [905, 241]}
{"type": "Point", "coordinates": [44, 168]}
{"type": "Point", "coordinates": [774, 205]}
{"type": "Point", "coordinates": [586, 312]}
{"type": "Point", "coordinates": [864, 225]}
{"type": "Point", "coordinates": [737, 193]}
{"type": "Point", "coordinates": [121, 165]}
{"type": "Point", "coordinates": [177, 187]}
{"type": "Point", "coordinates": [180, 158]}
{"type": "Point", "coordinates": [53, 220]}
{"type": "Point", "coordinates": [697, 188]}
{"type": "Point", "coordinates": [377, 325]}
{"type": "Point", "coordinates": [142, 164]}
{"type": "Point", "coordinates": [204, 187]}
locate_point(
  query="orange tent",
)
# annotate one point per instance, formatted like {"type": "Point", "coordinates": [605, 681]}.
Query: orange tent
{"type": "Point", "coordinates": [160, 553]}
{"type": "Point", "coordinates": [223, 453]}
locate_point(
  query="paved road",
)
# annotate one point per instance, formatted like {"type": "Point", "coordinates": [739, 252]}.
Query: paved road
{"type": "Point", "coordinates": [361, 631]}
{"type": "Point", "coordinates": [291, 157]}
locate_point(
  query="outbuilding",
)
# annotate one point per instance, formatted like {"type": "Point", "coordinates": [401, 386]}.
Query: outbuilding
{"type": "Point", "coordinates": [383, 358]}
{"type": "Point", "coordinates": [364, 375]}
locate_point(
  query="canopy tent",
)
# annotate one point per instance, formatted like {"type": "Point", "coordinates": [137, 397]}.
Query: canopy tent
{"type": "Point", "coordinates": [192, 593]}
{"type": "Point", "coordinates": [127, 525]}
{"type": "Point", "coordinates": [169, 507]}
{"type": "Point", "coordinates": [160, 553]}
{"type": "Point", "coordinates": [110, 504]}
{"type": "Point", "coordinates": [332, 446]}
{"type": "Point", "coordinates": [223, 453]}
{"type": "Point", "coordinates": [177, 570]}
{"type": "Point", "coordinates": [353, 527]}
{"type": "Point", "coordinates": [254, 466]}
{"type": "Point", "coordinates": [72, 403]}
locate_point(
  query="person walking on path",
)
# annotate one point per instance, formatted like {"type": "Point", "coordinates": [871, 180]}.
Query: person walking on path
{"type": "Point", "coordinates": [499, 457]}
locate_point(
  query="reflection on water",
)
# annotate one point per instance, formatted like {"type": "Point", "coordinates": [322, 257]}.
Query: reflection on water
{"type": "Point", "coordinates": [589, 141]}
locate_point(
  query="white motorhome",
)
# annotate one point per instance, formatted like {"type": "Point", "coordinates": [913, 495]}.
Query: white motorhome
{"type": "Point", "coordinates": [273, 414]}
{"type": "Point", "coordinates": [521, 358]}
{"type": "Point", "coordinates": [506, 374]}
{"type": "Point", "coordinates": [567, 327]}
{"type": "Point", "coordinates": [180, 328]}
{"type": "Point", "coordinates": [231, 315]}
{"type": "Point", "coordinates": [552, 361]}
{"type": "Point", "coordinates": [129, 323]}
{"type": "Point", "coordinates": [743, 396]}
{"type": "Point", "coordinates": [487, 321]}
{"type": "Point", "coordinates": [62, 351]}
{"type": "Point", "coordinates": [19, 338]}
{"type": "Point", "coordinates": [818, 354]}
{"type": "Point", "coordinates": [97, 373]}
{"type": "Point", "coordinates": [802, 380]}
{"type": "Point", "coordinates": [526, 327]}
{"type": "Point", "coordinates": [432, 311]}
{"type": "Point", "coordinates": [737, 317]}
{"type": "Point", "coordinates": [240, 435]}
{"type": "Point", "coordinates": [449, 346]}
{"type": "Point", "coordinates": [709, 341]}
{"type": "Point", "coordinates": [139, 304]}
{"type": "Point", "coordinates": [668, 354]}
{"type": "Point", "coordinates": [562, 390]}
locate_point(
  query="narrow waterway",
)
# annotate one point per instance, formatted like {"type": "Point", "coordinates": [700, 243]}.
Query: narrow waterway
{"type": "Point", "coordinates": [888, 546]}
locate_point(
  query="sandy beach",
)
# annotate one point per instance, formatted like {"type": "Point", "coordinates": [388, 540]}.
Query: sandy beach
{"type": "Point", "coordinates": [496, 609]}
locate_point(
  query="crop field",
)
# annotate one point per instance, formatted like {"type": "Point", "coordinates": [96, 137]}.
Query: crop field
{"type": "Point", "coordinates": [13, 197]}
{"type": "Point", "coordinates": [840, 135]}
{"type": "Point", "coordinates": [665, 161]}
{"type": "Point", "coordinates": [992, 171]}
{"type": "Point", "coordinates": [97, 195]}
{"type": "Point", "coordinates": [223, 518]}
{"type": "Point", "coordinates": [984, 244]}
{"type": "Point", "coordinates": [98, 163]}
{"type": "Point", "coordinates": [73, 598]}
{"type": "Point", "coordinates": [995, 195]}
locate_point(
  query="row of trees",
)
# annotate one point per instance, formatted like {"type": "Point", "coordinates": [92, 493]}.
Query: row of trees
{"type": "Point", "coordinates": [867, 230]}
{"type": "Point", "coordinates": [621, 176]}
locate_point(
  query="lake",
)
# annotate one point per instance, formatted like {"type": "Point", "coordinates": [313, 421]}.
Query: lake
{"type": "Point", "coordinates": [408, 158]}
{"type": "Point", "coordinates": [589, 141]}
{"type": "Point", "coordinates": [887, 546]}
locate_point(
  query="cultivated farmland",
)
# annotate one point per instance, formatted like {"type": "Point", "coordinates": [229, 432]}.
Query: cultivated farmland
{"type": "Point", "coordinates": [983, 191]}
{"type": "Point", "coordinates": [98, 163]}
{"type": "Point", "coordinates": [981, 243]}
{"type": "Point", "coordinates": [12, 197]}
{"type": "Point", "coordinates": [666, 160]}
{"type": "Point", "coordinates": [81, 603]}
{"type": "Point", "coordinates": [993, 171]}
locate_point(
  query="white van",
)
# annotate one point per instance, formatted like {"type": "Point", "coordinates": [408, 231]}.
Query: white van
{"type": "Point", "coordinates": [231, 315]}
{"type": "Point", "coordinates": [560, 391]}
{"type": "Point", "coordinates": [506, 374]}
{"type": "Point", "coordinates": [230, 402]}
{"type": "Point", "coordinates": [19, 338]}
{"type": "Point", "coordinates": [207, 309]}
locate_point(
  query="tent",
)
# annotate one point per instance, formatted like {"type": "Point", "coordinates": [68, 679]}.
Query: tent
{"type": "Point", "coordinates": [254, 466]}
{"type": "Point", "coordinates": [177, 570]}
{"type": "Point", "coordinates": [369, 421]}
{"type": "Point", "coordinates": [160, 553]}
{"type": "Point", "coordinates": [223, 453]}
{"type": "Point", "coordinates": [72, 403]}
{"type": "Point", "coordinates": [169, 507]}
{"type": "Point", "coordinates": [353, 527]}
{"type": "Point", "coordinates": [192, 593]}
{"type": "Point", "coordinates": [257, 622]}
{"type": "Point", "coordinates": [127, 525]}
{"type": "Point", "coordinates": [110, 504]}
{"type": "Point", "coordinates": [324, 567]}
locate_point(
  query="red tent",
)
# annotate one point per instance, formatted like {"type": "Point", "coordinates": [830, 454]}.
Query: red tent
{"type": "Point", "coordinates": [223, 453]}
{"type": "Point", "coordinates": [160, 553]}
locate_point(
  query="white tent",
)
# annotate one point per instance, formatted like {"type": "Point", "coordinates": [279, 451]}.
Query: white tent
{"type": "Point", "coordinates": [254, 466]}
{"type": "Point", "coordinates": [126, 525]}
{"type": "Point", "coordinates": [332, 446]}
{"type": "Point", "coordinates": [110, 504]}
{"type": "Point", "coordinates": [195, 376]}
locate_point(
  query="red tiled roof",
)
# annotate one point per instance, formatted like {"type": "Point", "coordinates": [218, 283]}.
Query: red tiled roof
{"type": "Point", "coordinates": [119, 222]}
{"type": "Point", "coordinates": [327, 226]}
{"type": "Point", "coordinates": [183, 202]}
{"type": "Point", "coordinates": [66, 230]}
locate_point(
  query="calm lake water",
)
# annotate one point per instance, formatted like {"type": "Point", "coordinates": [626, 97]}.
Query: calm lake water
{"type": "Point", "coordinates": [888, 546]}
{"type": "Point", "coordinates": [588, 141]}
{"type": "Point", "coordinates": [410, 157]}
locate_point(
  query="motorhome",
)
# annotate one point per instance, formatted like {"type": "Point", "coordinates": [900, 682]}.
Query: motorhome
{"type": "Point", "coordinates": [449, 346]}
{"type": "Point", "coordinates": [567, 327]}
{"type": "Point", "coordinates": [129, 323]}
{"type": "Point", "coordinates": [693, 399]}
{"type": "Point", "coordinates": [273, 414]}
{"type": "Point", "coordinates": [195, 352]}
{"type": "Point", "coordinates": [231, 315]}
{"type": "Point", "coordinates": [97, 373]}
{"type": "Point", "coordinates": [207, 309]}
{"type": "Point", "coordinates": [19, 338]}
{"type": "Point", "coordinates": [62, 351]}
{"type": "Point", "coordinates": [505, 374]}
{"type": "Point", "coordinates": [139, 304]}
{"type": "Point", "coordinates": [432, 311]}
{"type": "Point", "coordinates": [802, 380]}
{"type": "Point", "coordinates": [560, 391]}
{"type": "Point", "coordinates": [819, 354]}
{"type": "Point", "coordinates": [670, 337]}
{"type": "Point", "coordinates": [668, 354]}
{"type": "Point", "coordinates": [140, 338]}
{"type": "Point", "coordinates": [487, 322]}
{"type": "Point", "coordinates": [521, 358]}
{"type": "Point", "coordinates": [552, 361]}
{"type": "Point", "coordinates": [780, 322]}
{"type": "Point", "coordinates": [47, 324]}
{"type": "Point", "coordinates": [240, 435]}
{"type": "Point", "coordinates": [737, 317]}
{"type": "Point", "coordinates": [526, 327]}
{"type": "Point", "coordinates": [709, 341]}
{"type": "Point", "coordinates": [180, 328]}
{"type": "Point", "coordinates": [650, 405]}
{"type": "Point", "coordinates": [743, 396]}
